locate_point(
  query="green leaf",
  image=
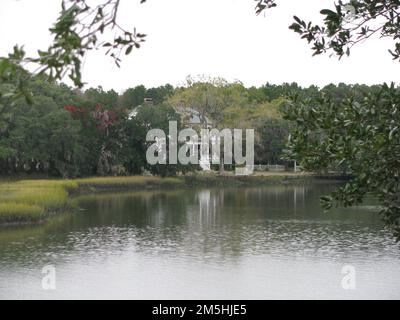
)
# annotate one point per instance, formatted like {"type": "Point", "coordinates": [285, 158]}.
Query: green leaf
{"type": "Point", "coordinates": [129, 50]}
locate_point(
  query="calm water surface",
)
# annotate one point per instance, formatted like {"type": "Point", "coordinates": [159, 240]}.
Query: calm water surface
{"type": "Point", "coordinates": [246, 243]}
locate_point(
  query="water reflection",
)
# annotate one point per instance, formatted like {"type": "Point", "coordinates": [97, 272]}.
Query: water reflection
{"type": "Point", "coordinates": [191, 236]}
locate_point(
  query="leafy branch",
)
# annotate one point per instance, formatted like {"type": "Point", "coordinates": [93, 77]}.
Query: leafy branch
{"type": "Point", "coordinates": [79, 28]}
{"type": "Point", "coordinates": [348, 24]}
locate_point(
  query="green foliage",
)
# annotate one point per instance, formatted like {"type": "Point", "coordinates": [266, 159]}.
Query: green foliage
{"type": "Point", "coordinates": [211, 98]}
{"type": "Point", "coordinates": [41, 136]}
{"type": "Point", "coordinates": [44, 138]}
{"type": "Point", "coordinates": [35, 200]}
{"type": "Point", "coordinates": [348, 24]}
{"type": "Point", "coordinates": [19, 212]}
{"type": "Point", "coordinates": [95, 96]}
{"type": "Point", "coordinates": [80, 27]}
{"type": "Point", "coordinates": [359, 134]}
{"type": "Point", "coordinates": [134, 153]}
{"type": "Point", "coordinates": [353, 130]}
{"type": "Point", "coordinates": [92, 137]}
{"type": "Point", "coordinates": [264, 4]}
{"type": "Point", "coordinates": [270, 141]}
{"type": "Point", "coordinates": [160, 94]}
{"type": "Point", "coordinates": [134, 97]}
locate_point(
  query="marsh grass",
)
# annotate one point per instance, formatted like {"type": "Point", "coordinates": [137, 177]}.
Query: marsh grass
{"type": "Point", "coordinates": [19, 212]}
{"type": "Point", "coordinates": [33, 200]}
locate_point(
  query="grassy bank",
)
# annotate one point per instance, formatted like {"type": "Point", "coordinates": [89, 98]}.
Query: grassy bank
{"type": "Point", "coordinates": [30, 201]}
{"type": "Point", "coordinates": [33, 200]}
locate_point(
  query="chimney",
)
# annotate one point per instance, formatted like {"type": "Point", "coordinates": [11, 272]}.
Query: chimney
{"type": "Point", "coordinates": [148, 101]}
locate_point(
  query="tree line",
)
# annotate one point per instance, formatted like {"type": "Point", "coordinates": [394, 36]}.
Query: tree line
{"type": "Point", "coordinates": [66, 132]}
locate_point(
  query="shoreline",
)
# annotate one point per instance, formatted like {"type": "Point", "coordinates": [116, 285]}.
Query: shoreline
{"type": "Point", "coordinates": [34, 202]}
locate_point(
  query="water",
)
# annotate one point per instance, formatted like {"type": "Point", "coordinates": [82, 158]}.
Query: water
{"type": "Point", "coordinates": [248, 243]}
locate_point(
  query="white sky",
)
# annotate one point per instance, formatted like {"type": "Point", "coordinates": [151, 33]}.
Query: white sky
{"type": "Point", "coordinates": [213, 37]}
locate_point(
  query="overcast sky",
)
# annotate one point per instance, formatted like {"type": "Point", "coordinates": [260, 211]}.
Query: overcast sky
{"type": "Point", "coordinates": [213, 37]}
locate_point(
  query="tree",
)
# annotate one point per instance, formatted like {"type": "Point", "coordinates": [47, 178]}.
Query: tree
{"type": "Point", "coordinates": [271, 141]}
{"type": "Point", "coordinates": [348, 24]}
{"type": "Point", "coordinates": [364, 136]}
{"type": "Point", "coordinates": [94, 96]}
{"type": "Point", "coordinates": [80, 27]}
{"type": "Point", "coordinates": [160, 94]}
{"type": "Point", "coordinates": [352, 128]}
{"type": "Point", "coordinates": [133, 97]}
{"type": "Point", "coordinates": [41, 137]}
{"type": "Point", "coordinates": [135, 145]}
{"type": "Point", "coordinates": [211, 98]}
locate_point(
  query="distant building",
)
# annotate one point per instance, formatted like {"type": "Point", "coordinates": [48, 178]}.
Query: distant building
{"type": "Point", "coordinates": [148, 101]}
{"type": "Point", "coordinates": [190, 117]}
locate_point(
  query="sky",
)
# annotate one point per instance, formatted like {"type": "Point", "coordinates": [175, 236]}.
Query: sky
{"type": "Point", "coordinates": [221, 38]}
